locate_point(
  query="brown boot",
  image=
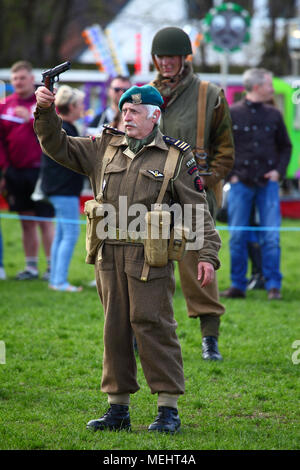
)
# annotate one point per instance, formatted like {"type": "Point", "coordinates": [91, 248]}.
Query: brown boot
{"type": "Point", "coordinates": [233, 293]}
{"type": "Point", "coordinates": [274, 294]}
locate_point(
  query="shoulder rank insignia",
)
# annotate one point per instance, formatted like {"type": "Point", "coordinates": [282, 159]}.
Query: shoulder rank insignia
{"type": "Point", "coordinates": [177, 143]}
{"type": "Point", "coordinates": [156, 173]}
{"type": "Point", "coordinates": [114, 130]}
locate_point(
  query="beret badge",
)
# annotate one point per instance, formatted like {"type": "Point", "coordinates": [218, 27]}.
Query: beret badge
{"type": "Point", "coordinates": [136, 98]}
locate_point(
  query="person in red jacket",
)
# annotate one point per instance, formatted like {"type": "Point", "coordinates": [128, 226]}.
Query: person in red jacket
{"type": "Point", "coordinates": [20, 160]}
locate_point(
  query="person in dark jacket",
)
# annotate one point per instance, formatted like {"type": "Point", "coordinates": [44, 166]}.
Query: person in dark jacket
{"type": "Point", "coordinates": [111, 115]}
{"type": "Point", "coordinates": [63, 187]}
{"type": "Point", "coordinates": [263, 151]}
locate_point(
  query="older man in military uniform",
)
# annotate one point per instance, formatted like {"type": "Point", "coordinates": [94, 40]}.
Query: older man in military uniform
{"type": "Point", "coordinates": [137, 297]}
{"type": "Point", "coordinates": [210, 135]}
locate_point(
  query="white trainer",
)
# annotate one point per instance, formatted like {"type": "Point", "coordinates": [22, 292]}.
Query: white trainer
{"type": "Point", "coordinates": [2, 274]}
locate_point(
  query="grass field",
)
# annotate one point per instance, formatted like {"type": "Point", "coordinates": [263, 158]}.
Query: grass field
{"type": "Point", "coordinates": [49, 386]}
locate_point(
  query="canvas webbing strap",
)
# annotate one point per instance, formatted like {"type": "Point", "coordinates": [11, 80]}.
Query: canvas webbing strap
{"type": "Point", "coordinates": [108, 156]}
{"type": "Point", "coordinates": [169, 170]}
{"type": "Point", "coordinates": [201, 114]}
{"type": "Point", "coordinates": [200, 149]}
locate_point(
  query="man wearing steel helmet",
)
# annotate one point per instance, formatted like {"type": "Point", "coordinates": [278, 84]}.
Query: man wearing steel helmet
{"type": "Point", "coordinates": [136, 294]}
{"type": "Point", "coordinates": [179, 87]}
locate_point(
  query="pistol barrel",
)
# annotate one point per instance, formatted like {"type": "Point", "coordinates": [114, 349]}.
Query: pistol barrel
{"type": "Point", "coordinates": [57, 70]}
{"type": "Point", "coordinates": [48, 77]}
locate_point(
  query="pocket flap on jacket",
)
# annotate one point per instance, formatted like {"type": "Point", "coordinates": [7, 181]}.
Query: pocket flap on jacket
{"type": "Point", "coordinates": [134, 269]}
{"type": "Point", "coordinates": [112, 168]}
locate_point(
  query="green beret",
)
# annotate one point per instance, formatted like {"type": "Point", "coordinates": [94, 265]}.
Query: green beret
{"type": "Point", "coordinates": [146, 94]}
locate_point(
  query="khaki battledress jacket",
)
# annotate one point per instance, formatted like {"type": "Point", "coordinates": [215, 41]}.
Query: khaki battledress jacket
{"type": "Point", "coordinates": [138, 177]}
{"type": "Point", "coordinates": [131, 305]}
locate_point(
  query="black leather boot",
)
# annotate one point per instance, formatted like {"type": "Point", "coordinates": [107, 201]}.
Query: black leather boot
{"type": "Point", "coordinates": [210, 349]}
{"type": "Point", "coordinates": [233, 293]}
{"type": "Point", "coordinates": [167, 420]}
{"type": "Point", "coordinates": [115, 419]}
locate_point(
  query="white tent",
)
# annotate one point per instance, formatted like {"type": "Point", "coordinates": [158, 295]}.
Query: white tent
{"type": "Point", "coordinates": [145, 18]}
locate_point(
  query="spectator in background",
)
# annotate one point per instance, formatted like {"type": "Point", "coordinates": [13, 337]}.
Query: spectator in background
{"type": "Point", "coordinates": [263, 151]}
{"type": "Point", "coordinates": [2, 270]}
{"type": "Point", "coordinates": [63, 187]}
{"type": "Point", "coordinates": [111, 115]}
{"type": "Point", "coordinates": [256, 280]}
{"type": "Point", "coordinates": [20, 159]}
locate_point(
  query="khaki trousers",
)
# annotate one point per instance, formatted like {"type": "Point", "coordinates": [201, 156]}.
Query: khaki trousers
{"type": "Point", "coordinates": [142, 308]}
{"type": "Point", "coordinates": [201, 302]}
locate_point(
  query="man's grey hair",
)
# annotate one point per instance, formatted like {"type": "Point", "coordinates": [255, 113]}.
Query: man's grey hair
{"type": "Point", "coordinates": [151, 110]}
{"type": "Point", "coordinates": [255, 76]}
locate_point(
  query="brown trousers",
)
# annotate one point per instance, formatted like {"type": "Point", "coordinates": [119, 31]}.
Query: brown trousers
{"type": "Point", "coordinates": [145, 309]}
{"type": "Point", "coordinates": [201, 302]}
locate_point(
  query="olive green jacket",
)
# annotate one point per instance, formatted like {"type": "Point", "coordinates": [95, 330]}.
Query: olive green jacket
{"type": "Point", "coordinates": [138, 177]}
{"type": "Point", "coordinates": [179, 119]}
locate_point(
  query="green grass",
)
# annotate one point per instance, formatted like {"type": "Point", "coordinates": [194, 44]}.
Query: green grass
{"type": "Point", "coordinates": [50, 384]}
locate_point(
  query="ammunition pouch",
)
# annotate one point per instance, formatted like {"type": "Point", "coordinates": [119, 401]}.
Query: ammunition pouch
{"type": "Point", "coordinates": [177, 244]}
{"type": "Point", "coordinates": [157, 237]}
{"type": "Point", "coordinates": [158, 222]}
{"type": "Point", "coordinates": [161, 245]}
{"type": "Point", "coordinates": [92, 210]}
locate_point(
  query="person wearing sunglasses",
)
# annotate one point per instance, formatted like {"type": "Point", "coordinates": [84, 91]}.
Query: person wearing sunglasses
{"type": "Point", "coordinates": [111, 115]}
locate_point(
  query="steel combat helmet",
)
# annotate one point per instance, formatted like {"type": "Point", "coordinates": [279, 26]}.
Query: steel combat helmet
{"type": "Point", "coordinates": [171, 41]}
